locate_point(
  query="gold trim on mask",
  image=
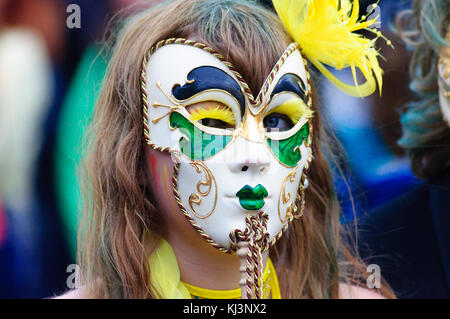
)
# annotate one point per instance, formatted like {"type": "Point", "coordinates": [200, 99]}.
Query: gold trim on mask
{"type": "Point", "coordinates": [196, 198]}
{"type": "Point", "coordinates": [252, 128]}
{"type": "Point", "coordinates": [286, 197]}
{"type": "Point", "coordinates": [171, 107]}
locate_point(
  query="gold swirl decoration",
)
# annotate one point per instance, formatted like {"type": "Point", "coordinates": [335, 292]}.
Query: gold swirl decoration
{"type": "Point", "coordinates": [196, 198]}
{"type": "Point", "coordinates": [286, 197]}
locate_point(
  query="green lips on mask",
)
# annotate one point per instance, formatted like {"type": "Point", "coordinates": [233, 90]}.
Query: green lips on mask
{"type": "Point", "coordinates": [252, 198]}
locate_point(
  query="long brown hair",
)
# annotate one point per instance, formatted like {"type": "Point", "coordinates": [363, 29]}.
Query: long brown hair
{"type": "Point", "coordinates": [311, 258]}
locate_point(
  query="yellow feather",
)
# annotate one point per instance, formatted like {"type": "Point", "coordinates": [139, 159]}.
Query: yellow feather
{"type": "Point", "coordinates": [325, 31]}
{"type": "Point", "coordinates": [295, 109]}
{"type": "Point", "coordinates": [217, 111]}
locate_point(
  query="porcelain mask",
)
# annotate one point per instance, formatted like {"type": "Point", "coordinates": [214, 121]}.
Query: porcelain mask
{"type": "Point", "coordinates": [237, 155]}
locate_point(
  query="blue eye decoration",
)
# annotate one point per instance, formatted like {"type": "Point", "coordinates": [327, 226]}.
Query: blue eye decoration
{"type": "Point", "coordinates": [278, 122]}
{"type": "Point", "coordinates": [291, 83]}
{"type": "Point", "coordinates": [208, 77]}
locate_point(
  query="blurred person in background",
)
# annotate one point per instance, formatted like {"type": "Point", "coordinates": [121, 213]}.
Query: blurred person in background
{"type": "Point", "coordinates": [409, 237]}
{"type": "Point", "coordinates": [31, 41]}
{"type": "Point", "coordinates": [38, 54]}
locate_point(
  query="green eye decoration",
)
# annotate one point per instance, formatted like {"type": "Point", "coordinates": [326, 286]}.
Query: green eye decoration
{"type": "Point", "coordinates": [198, 145]}
{"type": "Point", "coordinates": [288, 150]}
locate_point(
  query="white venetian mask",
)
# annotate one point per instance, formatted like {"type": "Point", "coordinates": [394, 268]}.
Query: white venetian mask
{"type": "Point", "coordinates": [237, 155]}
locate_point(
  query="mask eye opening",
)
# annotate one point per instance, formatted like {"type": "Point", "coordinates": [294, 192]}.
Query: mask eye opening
{"type": "Point", "coordinates": [277, 122]}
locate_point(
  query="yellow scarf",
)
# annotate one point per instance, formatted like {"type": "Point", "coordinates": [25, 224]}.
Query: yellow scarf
{"type": "Point", "coordinates": [165, 279]}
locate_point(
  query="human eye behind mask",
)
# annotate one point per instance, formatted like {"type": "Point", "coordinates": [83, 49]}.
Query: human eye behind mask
{"type": "Point", "coordinates": [285, 116]}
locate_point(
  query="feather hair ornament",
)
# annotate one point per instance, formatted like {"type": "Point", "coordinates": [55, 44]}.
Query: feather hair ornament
{"type": "Point", "coordinates": [325, 30]}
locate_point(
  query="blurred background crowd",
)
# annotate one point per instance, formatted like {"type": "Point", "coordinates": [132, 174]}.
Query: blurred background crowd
{"type": "Point", "coordinates": [50, 75]}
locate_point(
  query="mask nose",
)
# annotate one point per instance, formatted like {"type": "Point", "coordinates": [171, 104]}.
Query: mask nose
{"type": "Point", "coordinates": [250, 158]}
{"type": "Point", "coordinates": [252, 166]}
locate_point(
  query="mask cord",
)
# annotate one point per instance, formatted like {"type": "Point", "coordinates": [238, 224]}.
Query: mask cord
{"type": "Point", "coordinates": [250, 245]}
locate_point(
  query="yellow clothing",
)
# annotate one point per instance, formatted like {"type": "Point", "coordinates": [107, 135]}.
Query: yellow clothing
{"type": "Point", "coordinates": [165, 279]}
